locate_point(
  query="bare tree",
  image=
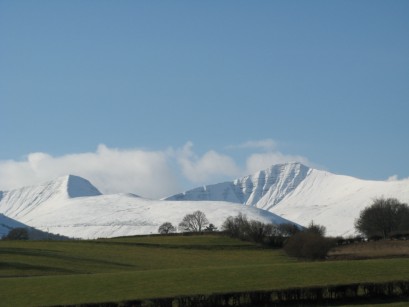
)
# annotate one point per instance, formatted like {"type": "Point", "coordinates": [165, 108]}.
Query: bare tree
{"type": "Point", "coordinates": [194, 222]}
{"type": "Point", "coordinates": [166, 228]}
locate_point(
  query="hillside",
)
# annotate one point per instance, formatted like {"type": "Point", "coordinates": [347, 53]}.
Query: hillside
{"type": "Point", "coordinates": [302, 194]}
{"type": "Point", "coordinates": [71, 206]}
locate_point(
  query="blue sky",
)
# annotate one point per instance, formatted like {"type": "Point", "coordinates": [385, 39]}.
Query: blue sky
{"type": "Point", "coordinates": [213, 89]}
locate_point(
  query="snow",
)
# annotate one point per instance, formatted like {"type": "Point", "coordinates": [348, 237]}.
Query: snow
{"type": "Point", "coordinates": [71, 206]}
{"type": "Point", "coordinates": [265, 187]}
{"type": "Point", "coordinates": [336, 201]}
{"type": "Point", "coordinates": [303, 194]}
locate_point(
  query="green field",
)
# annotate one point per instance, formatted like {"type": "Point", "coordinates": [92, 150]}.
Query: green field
{"type": "Point", "coordinates": [70, 272]}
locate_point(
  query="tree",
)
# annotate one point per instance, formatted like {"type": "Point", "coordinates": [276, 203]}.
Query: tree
{"type": "Point", "coordinates": [211, 228]}
{"type": "Point", "coordinates": [250, 230]}
{"type": "Point", "coordinates": [258, 231]}
{"type": "Point", "coordinates": [383, 218]}
{"type": "Point", "coordinates": [194, 222]}
{"type": "Point", "coordinates": [17, 234]}
{"type": "Point", "coordinates": [166, 228]}
{"type": "Point", "coordinates": [317, 229]}
{"type": "Point", "coordinates": [237, 227]}
{"type": "Point", "coordinates": [288, 229]}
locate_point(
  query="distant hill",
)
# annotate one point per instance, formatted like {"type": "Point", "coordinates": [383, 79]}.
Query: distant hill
{"type": "Point", "coordinates": [302, 194]}
{"type": "Point", "coordinates": [73, 207]}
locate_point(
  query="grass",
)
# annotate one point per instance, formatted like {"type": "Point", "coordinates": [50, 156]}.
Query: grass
{"type": "Point", "coordinates": [71, 272]}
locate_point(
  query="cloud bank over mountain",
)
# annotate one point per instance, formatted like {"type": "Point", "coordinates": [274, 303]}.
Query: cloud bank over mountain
{"type": "Point", "coordinates": [150, 173]}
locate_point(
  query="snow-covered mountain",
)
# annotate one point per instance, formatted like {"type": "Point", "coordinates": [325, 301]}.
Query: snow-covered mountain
{"type": "Point", "coordinates": [73, 207]}
{"type": "Point", "coordinates": [302, 194]}
{"type": "Point", "coordinates": [264, 189]}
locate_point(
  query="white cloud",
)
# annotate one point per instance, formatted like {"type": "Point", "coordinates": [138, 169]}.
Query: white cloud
{"type": "Point", "coordinates": [207, 167]}
{"type": "Point", "coordinates": [266, 156]}
{"type": "Point", "coordinates": [111, 170]}
{"type": "Point", "coordinates": [153, 174]}
{"type": "Point", "coordinates": [260, 161]}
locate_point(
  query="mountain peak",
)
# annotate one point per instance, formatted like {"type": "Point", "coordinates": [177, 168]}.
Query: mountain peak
{"type": "Point", "coordinates": [78, 187]}
{"type": "Point", "coordinates": [267, 187]}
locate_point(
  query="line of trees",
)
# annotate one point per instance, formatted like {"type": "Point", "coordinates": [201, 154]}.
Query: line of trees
{"type": "Point", "coordinates": [297, 242]}
{"type": "Point", "coordinates": [251, 230]}
{"type": "Point", "coordinates": [384, 218]}
{"type": "Point", "coordinates": [194, 222]}
{"type": "Point", "coordinates": [309, 243]}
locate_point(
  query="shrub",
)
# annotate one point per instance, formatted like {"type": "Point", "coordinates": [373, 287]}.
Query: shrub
{"type": "Point", "coordinates": [308, 244]}
{"type": "Point", "coordinates": [17, 234]}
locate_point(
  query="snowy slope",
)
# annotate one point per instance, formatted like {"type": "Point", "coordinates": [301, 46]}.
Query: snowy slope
{"type": "Point", "coordinates": [20, 203]}
{"type": "Point", "coordinates": [71, 206]}
{"type": "Point", "coordinates": [265, 188]}
{"type": "Point", "coordinates": [303, 194]}
{"type": "Point", "coordinates": [336, 201]}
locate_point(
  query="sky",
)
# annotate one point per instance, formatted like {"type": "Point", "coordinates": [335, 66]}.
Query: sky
{"type": "Point", "coordinates": [157, 97]}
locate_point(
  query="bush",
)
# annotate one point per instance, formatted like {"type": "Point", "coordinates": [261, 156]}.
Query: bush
{"type": "Point", "coordinates": [17, 234]}
{"type": "Point", "coordinates": [308, 244]}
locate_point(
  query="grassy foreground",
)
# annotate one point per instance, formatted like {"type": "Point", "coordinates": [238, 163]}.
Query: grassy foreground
{"type": "Point", "coordinates": [47, 273]}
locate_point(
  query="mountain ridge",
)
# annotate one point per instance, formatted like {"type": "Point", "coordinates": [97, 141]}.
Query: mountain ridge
{"type": "Point", "coordinates": [275, 182]}
{"type": "Point", "coordinates": [72, 207]}
{"type": "Point", "coordinates": [302, 195]}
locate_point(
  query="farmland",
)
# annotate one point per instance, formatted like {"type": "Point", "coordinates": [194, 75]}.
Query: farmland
{"type": "Point", "coordinates": [74, 272]}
